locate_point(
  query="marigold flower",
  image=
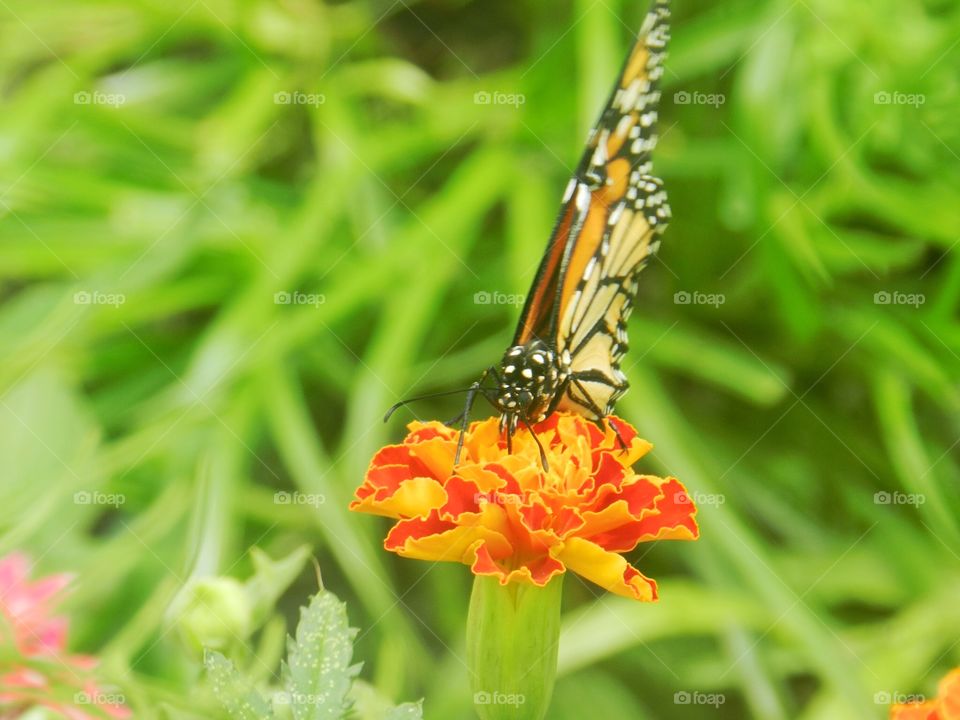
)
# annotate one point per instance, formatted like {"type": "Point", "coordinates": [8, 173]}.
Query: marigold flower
{"type": "Point", "coordinates": [946, 706]}
{"type": "Point", "coordinates": [28, 630]}
{"type": "Point", "coordinates": [506, 516]}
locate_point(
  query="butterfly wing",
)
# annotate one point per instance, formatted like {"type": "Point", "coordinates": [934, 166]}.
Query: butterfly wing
{"type": "Point", "coordinates": [612, 214]}
{"type": "Point", "coordinates": [539, 316]}
{"type": "Point", "coordinates": [593, 329]}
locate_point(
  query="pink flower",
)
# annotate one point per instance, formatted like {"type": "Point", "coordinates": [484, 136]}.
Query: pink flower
{"type": "Point", "coordinates": [28, 629]}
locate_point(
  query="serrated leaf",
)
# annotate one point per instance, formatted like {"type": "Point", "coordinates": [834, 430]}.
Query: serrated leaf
{"type": "Point", "coordinates": [407, 711]}
{"type": "Point", "coordinates": [238, 697]}
{"type": "Point", "coordinates": [318, 673]}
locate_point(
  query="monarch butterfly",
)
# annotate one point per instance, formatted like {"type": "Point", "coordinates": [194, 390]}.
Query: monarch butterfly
{"type": "Point", "coordinates": [572, 333]}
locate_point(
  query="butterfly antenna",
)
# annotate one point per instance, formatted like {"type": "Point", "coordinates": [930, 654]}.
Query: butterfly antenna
{"type": "Point", "coordinates": [397, 406]}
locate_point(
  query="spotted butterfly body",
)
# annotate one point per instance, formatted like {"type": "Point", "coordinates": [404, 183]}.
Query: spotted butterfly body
{"type": "Point", "coordinates": [572, 334]}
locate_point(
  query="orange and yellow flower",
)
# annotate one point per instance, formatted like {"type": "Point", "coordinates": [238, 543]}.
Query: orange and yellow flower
{"type": "Point", "coordinates": [946, 706]}
{"type": "Point", "coordinates": [506, 516]}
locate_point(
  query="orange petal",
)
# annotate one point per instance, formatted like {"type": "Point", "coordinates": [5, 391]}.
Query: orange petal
{"type": "Point", "coordinates": [915, 711]}
{"type": "Point", "coordinates": [608, 570]}
{"type": "Point", "coordinates": [485, 477]}
{"type": "Point", "coordinates": [422, 431]}
{"type": "Point", "coordinates": [482, 442]}
{"type": "Point", "coordinates": [637, 448]}
{"type": "Point", "coordinates": [436, 455]}
{"type": "Point", "coordinates": [675, 514]}
{"type": "Point", "coordinates": [538, 571]}
{"type": "Point", "coordinates": [950, 696]}
{"type": "Point", "coordinates": [574, 432]}
{"type": "Point", "coordinates": [608, 476]}
{"type": "Point", "coordinates": [626, 507]}
{"type": "Point", "coordinates": [671, 518]}
{"type": "Point", "coordinates": [411, 498]}
{"type": "Point", "coordinates": [626, 430]}
{"type": "Point", "coordinates": [554, 522]}
{"type": "Point", "coordinates": [462, 497]}
{"type": "Point", "coordinates": [434, 539]}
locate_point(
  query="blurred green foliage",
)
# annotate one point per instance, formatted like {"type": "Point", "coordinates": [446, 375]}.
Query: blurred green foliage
{"type": "Point", "coordinates": [233, 233]}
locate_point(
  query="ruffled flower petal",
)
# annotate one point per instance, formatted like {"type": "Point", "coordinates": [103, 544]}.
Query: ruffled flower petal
{"type": "Point", "coordinates": [538, 572]}
{"type": "Point", "coordinates": [607, 569]}
{"type": "Point", "coordinates": [505, 515]}
{"type": "Point", "coordinates": [432, 538]}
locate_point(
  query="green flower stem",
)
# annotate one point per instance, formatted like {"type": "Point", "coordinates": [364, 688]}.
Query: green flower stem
{"type": "Point", "coordinates": [513, 632]}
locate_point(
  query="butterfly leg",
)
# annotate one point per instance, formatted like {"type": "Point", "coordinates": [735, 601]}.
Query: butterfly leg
{"type": "Point", "coordinates": [599, 415]}
{"type": "Point", "coordinates": [464, 417]}
{"type": "Point", "coordinates": [543, 454]}
{"type": "Point", "coordinates": [508, 423]}
{"type": "Point", "coordinates": [616, 431]}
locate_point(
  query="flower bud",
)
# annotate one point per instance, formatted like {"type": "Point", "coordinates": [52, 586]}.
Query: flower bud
{"type": "Point", "coordinates": [214, 614]}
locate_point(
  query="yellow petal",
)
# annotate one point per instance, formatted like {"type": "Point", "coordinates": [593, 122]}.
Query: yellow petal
{"type": "Point", "coordinates": [608, 570]}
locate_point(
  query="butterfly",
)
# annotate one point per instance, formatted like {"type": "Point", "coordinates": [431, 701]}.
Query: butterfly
{"type": "Point", "coordinates": [572, 334]}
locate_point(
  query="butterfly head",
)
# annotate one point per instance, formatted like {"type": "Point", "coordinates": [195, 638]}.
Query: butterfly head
{"type": "Point", "coordinates": [529, 377]}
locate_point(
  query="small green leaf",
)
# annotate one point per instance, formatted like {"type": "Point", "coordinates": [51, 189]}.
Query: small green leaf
{"type": "Point", "coordinates": [238, 697]}
{"type": "Point", "coordinates": [271, 578]}
{"type": "Point", "coordinates": [318, 674]}
{"type": "Point", "coordinates": [407, 711]}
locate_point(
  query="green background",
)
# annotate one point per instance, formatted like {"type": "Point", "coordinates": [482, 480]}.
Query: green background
{"type": "Point", "coordinates": [147, 223]}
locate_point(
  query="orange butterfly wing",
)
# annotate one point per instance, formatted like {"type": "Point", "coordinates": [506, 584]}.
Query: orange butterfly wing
{"type": "Point", "coordinates": [612, 212]}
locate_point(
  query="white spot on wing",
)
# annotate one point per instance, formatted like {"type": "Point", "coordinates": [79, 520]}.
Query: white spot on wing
{"type": "Point", "coordinates": [583, 198]}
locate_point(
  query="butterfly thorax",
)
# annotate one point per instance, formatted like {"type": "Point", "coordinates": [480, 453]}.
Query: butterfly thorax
{"type": "Point", "coordinates": [529, 379]}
